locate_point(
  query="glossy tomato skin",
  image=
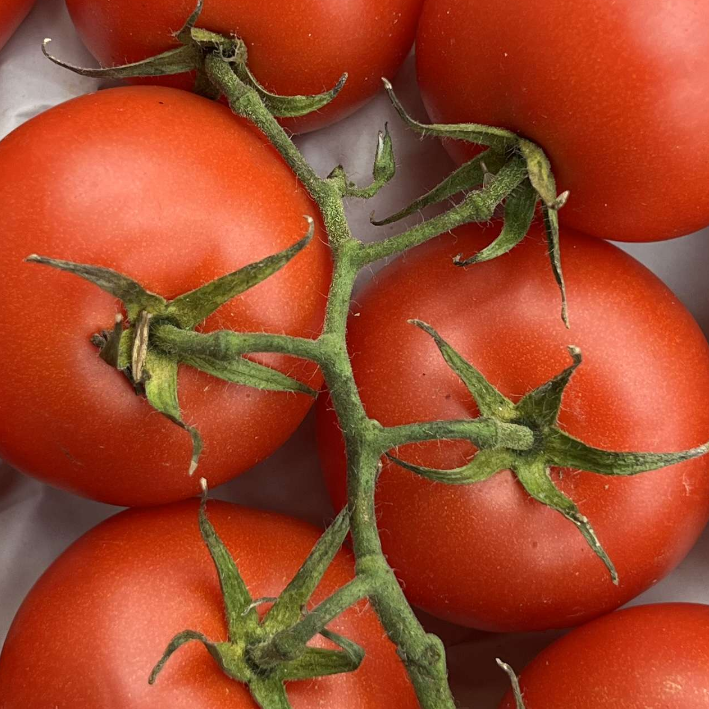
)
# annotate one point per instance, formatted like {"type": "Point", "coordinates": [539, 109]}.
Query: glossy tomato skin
{"type": "Point", "coordinates": [500, 560]}
{"type": "Point", "coordinates": [12, 12]}
{"type": "Point", "coordinates": [120, 593]}
{"type": "Point", "coordinates": [294, 47]}
{"type": "Point", "coordinates": [173, 191]}
{"type": "Point", "coordinates": [614, 92]}
{"type": "Point", "coordinates": [647, 657]}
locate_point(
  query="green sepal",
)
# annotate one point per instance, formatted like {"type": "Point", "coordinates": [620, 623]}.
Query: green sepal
{"type": "Point", "coordinates": [241, 615]}
{"type": "Point", "coordinates": [543, 404]}
{"type": "Point", "coordinates": [319, 662]}
{"type": "Point", "coordinates": [565, 451]}
{"type": "Point", "coordinates": [290, 106]}
{"type": "Point", "coordinates": [177, 642]}
{"type": "Point", "coordinates": [174, 61]}
{"type": "Point", "coordinates": [541, 175]}
{"type": "Point", "coordinates": [514, 681]}
{"type": "Point", "coordinates": [288, 608]}
{"type": "Point", "coordinates": [468, 176]}
{"type": "Point", "coordinates": [542, 179]}
{"type": "Point", "coordinates": [184, 35]}
{"type": "Point", "coordinates": [482, 466]}
{"type": "Point", "coordinates": [248, 373]}
{"type": "Point", "coordinates": [535, 478]}
{"type": "Point", "coordinates": [520, 207]}
{"type": "Point", "coordinates": [551, 228]}
{"type": "Point", "coordinates": [192, 308]}
{"type": "Point", "coordinates": [489, 400]}
{"type": "Point", "coordinates": [269, 693]}
{"type": "Point", "coordinates": [133, 296]}
{"type": "Point", "coordinates": [498, 138]}
{"type": "Point", "coordinates": [161, 392]}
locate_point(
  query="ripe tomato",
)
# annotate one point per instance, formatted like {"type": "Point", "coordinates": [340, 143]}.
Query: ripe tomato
{"type": "Point", "coordinates": [616, 93]}
{"type": "Point", "coordinates": [294, 48]}
{"type": "Point", "coordinates": [12, 12]}
{"type": "Point", "coordinates": [648, 657]}
{"type": "Point", "coordinates": [173, 191]}
{"type": "Point", "coordinates": [120, 594]}
{"type": "Point", "coordinates": [502, 561]}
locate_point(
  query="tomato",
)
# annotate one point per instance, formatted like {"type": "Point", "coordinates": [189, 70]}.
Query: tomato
{"type": "Point", "coordinates": [615, 93]}
{"type": "Point", "coordinates": [95, 624]}
{"type": "Point", "coordinates": [501, 561]}
{"type": "Point", "coordinates": [12, 12]}
{"type": "Point", "coordinates": [174, 191]}
{"type": "Point", "coordinates": [294, 48]}
{"type": "Point", "coordinates": [648, 657]}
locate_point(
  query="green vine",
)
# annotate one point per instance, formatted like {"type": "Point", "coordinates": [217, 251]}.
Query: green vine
{"type": "Point", "coordinates": [162, 335]}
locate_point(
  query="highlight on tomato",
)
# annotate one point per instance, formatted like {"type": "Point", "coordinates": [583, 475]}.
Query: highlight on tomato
{"type": "Point", "coordinates": [646, 656]}
{"type": "Point", "coordinates": [615, 93]}
{"type": "Point", "coordinates": [502, 561]}
{"type": "Point", "coordinates": [301, 48]}
{"type": "Point", "coordinates": [172, 191]}
{"type": "Point", "coordinates": [93, 629]}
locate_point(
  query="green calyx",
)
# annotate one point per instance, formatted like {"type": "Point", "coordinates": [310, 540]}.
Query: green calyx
{"type": "Point", "coordinates": [265, 653]}
{"type": "Point", "coordinates": [512, 173]}
{"type": "Point", "coordinates": [553, 448]}
{"type": "Point", "coordinates": [196, 45]}
{"type": "Point", "coordinates": [159, 335]}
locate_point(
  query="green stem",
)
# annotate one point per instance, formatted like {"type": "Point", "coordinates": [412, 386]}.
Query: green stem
{"type": "Point", "coordinates": [422, 654]}
{"type": "Point", "coordinates": [482, 433]}
{"type": "Point", "coordinates": [225, 345]}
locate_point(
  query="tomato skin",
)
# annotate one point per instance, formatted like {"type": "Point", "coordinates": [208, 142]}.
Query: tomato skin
{"type": "Point", "coordinates": [294, 48]}
{"type": "Point", "coordinates": [614, 92]}
{"type": "Point", "coordinates": [12, 12]}
{"type": "Point", "coordinates": [174, 191]}
{"type": "Point", "coordinates": [99, 619]}
{"type": "Point", "coordinates": [502, 561]}
{"type": "Point", "coordinates": [647, 657]}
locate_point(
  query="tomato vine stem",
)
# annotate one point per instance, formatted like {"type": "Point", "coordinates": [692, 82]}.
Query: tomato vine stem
{"type": "Point", "coordinates": [423, 654]}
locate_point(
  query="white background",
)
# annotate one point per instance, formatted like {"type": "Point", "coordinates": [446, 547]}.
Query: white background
{"type": "Point", "coordinates": [37, 522]}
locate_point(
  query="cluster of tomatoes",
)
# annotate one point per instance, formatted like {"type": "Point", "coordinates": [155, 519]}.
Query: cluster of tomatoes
{"type": "Point", "coordinates": [174, 191]}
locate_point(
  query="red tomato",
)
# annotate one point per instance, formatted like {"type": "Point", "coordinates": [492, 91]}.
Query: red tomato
{"type": "Point", "coordinates": [93, 627]}
{"type": "Point", "coordinates": [294, 47]}
{"type": "Point", "coordinates": [173, 191]}
{"type": "Point", "coordinates": [616, 93]}
{"type": "Point", "coordinates": [648, 657]}
{"type": "Point", "coordinates": [12, 12]}
{"type": "Point", "coordinates": [502, 561]}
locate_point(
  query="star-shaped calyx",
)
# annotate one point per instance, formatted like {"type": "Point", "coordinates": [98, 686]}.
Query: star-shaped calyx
{"type": "Point", "coordinates": [196, 45]}
{"type": "Point", "coordinates": [553, 447]}
{"type": "Point", "coordinates": [159, 334]}
{"type": "Point", "coordinates": [512, 173]}
{"type": "Point", "coordinates": [252, 654]}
